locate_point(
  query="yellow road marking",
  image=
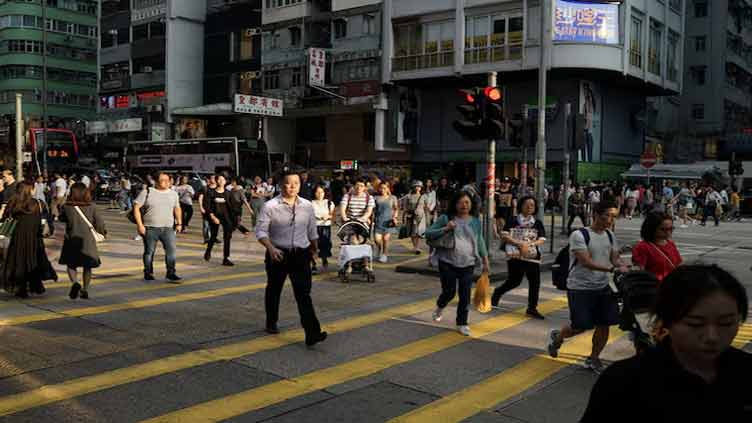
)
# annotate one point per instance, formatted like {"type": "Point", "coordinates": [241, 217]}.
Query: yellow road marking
{"type": "Point", "coordinates": [274, 393]}
{"type": "Point", "coordinates": [89, 384]}
{"type": "Point", "coordinates": [505, 385]}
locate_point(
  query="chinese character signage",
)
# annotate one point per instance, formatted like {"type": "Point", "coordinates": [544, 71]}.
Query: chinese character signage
{"type": "Point", "coordinates": [258, 105]}
{"type": "Point", "coordinates": [316, 67]}
{"type": "Point", "coordinates": [586, 22]}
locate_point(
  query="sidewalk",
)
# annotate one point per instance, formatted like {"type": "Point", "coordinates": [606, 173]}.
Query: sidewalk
{"type": "Point", "coordinates": [497, 257]}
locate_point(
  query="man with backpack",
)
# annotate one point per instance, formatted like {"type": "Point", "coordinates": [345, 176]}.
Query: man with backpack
{"type": "Point", "coordinates": [593, 257]}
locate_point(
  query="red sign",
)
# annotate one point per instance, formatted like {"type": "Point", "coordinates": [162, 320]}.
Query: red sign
{"type": "Point", "coordinates": [122, 102]}
{"type": "Point", "coordinates": [359, 89]}
{"type": "Point", "coordinates": [648, 160]}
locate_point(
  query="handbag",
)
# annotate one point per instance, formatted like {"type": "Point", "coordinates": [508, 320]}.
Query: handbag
{"type": "Point", "coordinates": [45, 227]}
{"type": "Point", "coordinates": [144, 208]}
{"type": "Point", "coordinates": [403, 232]}
{"type": "Point", "coordinates": [8, 227]}
{"type": "Point", "coordinates": [446, 240]}
{"type": "Point", "coordinates": [97, 236]}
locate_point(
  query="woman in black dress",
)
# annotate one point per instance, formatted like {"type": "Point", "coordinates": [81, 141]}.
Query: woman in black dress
{"type": "Point", "coordinates": [79, 247]}
{"type": "Point", "coordinates": [219, 212]}
{"type": "Point", "coordinates": [26, 264]}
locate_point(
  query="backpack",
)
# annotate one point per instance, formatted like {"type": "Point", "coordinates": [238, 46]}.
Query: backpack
{"type": "Point", "coordinates": [561, 267]}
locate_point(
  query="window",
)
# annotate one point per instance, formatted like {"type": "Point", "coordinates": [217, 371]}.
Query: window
{"type": "Point", "coordinates": [157, 29]}
{"type": "Point", "coordinates": [140, 32]}
{"type": "Point", "coordinates": [700, 43]}
{"type": "Point", "coordinates": [246, 44]}
{"type": "Point", "coordinates": [281, 3]}
{"type": "Point", "coordinates": [676, 5]}
{"type": "Point", "coordinates": [698, 74]}
{"type": "Point", "coordinates": [701, 9]}
{"type": "Point", "coordinates": [295, 36]}
{"type": "Point", "coordinates": [297, 78]}
{"type": "Point", "coordinates": [369, 24]}
{"type": "Point", "coordinates": [698, 111]}
{"type": "Point", "coordinates": [654, 48]}
{"type": "Point", "coordinates": [271, 80]}
{"type": "Point", "coordinates": [672, 67]}
{"type": "Point", "coordinates": [635, 43]}
{"type": "Point", "coordinates": [493, 38]}
{"type": "Point", "coordinates": [340, 28]}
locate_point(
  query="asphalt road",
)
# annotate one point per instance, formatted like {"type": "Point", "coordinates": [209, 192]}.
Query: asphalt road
{"type": "Point", "coordinates": [152, 351]}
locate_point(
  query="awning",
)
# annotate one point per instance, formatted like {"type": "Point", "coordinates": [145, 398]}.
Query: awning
{"type": "Point", "coordinates": [219, 109]}
{"type": "Point", "coordinates": [674, 171]}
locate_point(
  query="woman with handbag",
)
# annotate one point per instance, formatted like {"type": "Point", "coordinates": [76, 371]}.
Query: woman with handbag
{"type": "Point", "coordinates": [459, 249]}
{"type": "Point", "coordinates": [415, 208]}
{"type": "Point", "coordinates": [521, 237]}
{"type": "Point", "coordinates": [656, 252]}
{"type": "Point", "coordinates": [26, 264]}
{"type": "Point", "coordinates": [387, 212]}
{"type": "Point", "coordinates": [80, 243]}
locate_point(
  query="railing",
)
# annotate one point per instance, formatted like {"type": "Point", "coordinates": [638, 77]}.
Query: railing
{"type": "Point", "coordinates": [494, 53]}
{"type": "Point", "coordinates": [423, 61]}
{"type": "Point", "coordinates": [635, 58]}
{"type": "Point", "coordinates": [654, 65]}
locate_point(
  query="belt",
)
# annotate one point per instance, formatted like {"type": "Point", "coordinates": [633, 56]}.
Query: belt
{"type": "Point", "coordinates": [295, 250]}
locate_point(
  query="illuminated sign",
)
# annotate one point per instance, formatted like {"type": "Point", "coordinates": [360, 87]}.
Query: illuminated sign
{"type": "Point", "coordinates": [586, 22]}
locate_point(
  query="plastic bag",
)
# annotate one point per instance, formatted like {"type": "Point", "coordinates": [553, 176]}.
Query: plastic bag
{"type": "Point", "coordinates": [482, 296]}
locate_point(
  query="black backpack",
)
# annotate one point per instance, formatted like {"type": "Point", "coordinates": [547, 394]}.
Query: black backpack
{"type": "Point", "coordinates": [561, 267]}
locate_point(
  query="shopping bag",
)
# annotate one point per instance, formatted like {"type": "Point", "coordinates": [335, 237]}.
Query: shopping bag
{"type": "Point", "coordinates": [482, 296]}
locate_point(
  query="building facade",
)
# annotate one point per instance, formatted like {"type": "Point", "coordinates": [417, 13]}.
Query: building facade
{"type": "Point", "coordinates": [71, 57]}
{"type": "Point", "coordinates": [606, 59]}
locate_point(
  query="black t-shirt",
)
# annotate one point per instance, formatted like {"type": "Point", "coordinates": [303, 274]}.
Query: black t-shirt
{"type": "Point", "coordinates": [306, 190]}
{"type": "Point", "coordinates": [655, 388]}
{"type": "Point", "coordinates": [337, 186]}
{"type": "Point", "coordinates": [504, 203]}
{"type": "Point", "coordinates": [220, 204]}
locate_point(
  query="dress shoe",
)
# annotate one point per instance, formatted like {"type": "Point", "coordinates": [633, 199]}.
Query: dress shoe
{"type": "Point", "coordinates": [272, 329]}
{"type": "Point", "coordinates": [74, 290]}
{"type": "Point", "coordinates": [149, 276]}
{"type": "Point", "coordinates": [316, 339]}
{"type": "Point", "coordinates": [173, 278]}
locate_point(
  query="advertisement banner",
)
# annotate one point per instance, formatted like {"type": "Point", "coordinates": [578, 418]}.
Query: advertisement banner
{"type": "Point", "coordinates": [258, 105]}
{"type": "Point", "coordinates": [316, 67]}
{"type": "Point", "coordinates": [586, 22]}
{"type": "Point", "coordinates": [189, 129]}
{"type": "Point", "coordinates": [590, 108]}
{"type": "Point", "coordinates": [196, 162]}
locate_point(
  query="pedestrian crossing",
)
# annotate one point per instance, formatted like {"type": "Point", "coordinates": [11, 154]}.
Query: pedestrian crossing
{"type": "Point", "coordinates": [393, 309]}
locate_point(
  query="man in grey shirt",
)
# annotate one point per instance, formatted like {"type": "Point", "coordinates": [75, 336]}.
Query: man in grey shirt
{"type": "Point", "coordinates": [286, 227]}
{"type": "Point", "coordinates": [594, 256]}
{"type": "Point", "coordinates": [159, 218]}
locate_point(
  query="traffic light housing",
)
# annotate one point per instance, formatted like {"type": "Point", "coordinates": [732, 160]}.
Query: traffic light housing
{"type": "Point", "coordinates": [516, 136]}
{"type": "Point", "coordinates": [482, 114]}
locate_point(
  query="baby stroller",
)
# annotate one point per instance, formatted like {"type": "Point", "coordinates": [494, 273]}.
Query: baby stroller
{"type": "Point", "coordinates": [637, 291]}
{"type": "Point", "coordinates": [355, 255]}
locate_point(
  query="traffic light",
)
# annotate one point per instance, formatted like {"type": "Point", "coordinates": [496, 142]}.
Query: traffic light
{"type": "Point", "coordinates": [494, 116]}
{"type": "Point", "coordinates": [736, 168]}
{"type": "Point", "coordinates": [482, 114]}
{"type": "Point", "coordinates": [470, 126]}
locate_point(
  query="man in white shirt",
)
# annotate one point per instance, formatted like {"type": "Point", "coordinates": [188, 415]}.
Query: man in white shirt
{"type": "Point", "coordinates": [58, 199]}
{"type": "Point", "coordinates": [86, 180]}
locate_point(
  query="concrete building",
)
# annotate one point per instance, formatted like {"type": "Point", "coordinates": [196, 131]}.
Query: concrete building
{"type": "Point", "coordinates": [605, 60]}
{"type": "Point", "coordinates": [71, 63]}
{"type": "Point", "coordinates": [714, 108]}
{"type": "Point", "coordinates": [349, 118]}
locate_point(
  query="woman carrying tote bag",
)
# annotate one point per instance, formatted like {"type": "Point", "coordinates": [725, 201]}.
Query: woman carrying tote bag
{"type": "Point", "coordinates": [80, 244]}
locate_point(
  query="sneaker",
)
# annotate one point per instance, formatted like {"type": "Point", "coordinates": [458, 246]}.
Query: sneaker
{"type": "Point", "coordinates": [535, 314]}
{"type": "Point", "coordinates": [137, 238]}
{"type": "Point", "coordinates": [85, 295]}
{"type": "Point", "coordinates": [227, 262]}
{"type": "Point", "coordinates": [149, 276]}
{"type": "Point", "coordinates": [683, 226]}
{"type": "Point", "coordinates": [314, 270]}
{"type": "Point", "coordinates": [437, 314]}
{"type": "Point", "coordinates": [173, 278]}
{"type": "Point", "coordinates": [495, 298]}
{"type": "Point", "coordinates": [315, 339]}
{"type": "Point", "coordinates": [594, 364]}
{"type": "Point", "coordinates": [75, 289]}
{"type": "Point", "coordinates": [464, 329]}
{"type": "Point", "coordinates": [553, 343]}
{"type": "Point", "coordinates": [383, 259]}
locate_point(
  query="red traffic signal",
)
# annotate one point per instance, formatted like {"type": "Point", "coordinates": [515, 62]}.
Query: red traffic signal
{"type": "Point", "coordinates": [469, 96]}
{"type": "Point", "coordinates": [492, 93]}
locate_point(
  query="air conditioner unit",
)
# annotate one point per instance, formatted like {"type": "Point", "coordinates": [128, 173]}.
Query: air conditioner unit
{"type": "Point", "coordinates": [147, 69]}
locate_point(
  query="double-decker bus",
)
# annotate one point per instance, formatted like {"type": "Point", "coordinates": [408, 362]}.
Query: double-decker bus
{"type": "Point", "coordinates": [62, 148]}
{"type": "Point", "coordinates": [204, 155]}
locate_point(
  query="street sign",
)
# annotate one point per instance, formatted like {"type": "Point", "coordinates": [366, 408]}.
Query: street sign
{"type": "Point", "coordinates": [254, 105]}
{"type": "Point", "coordinates": [316, 67]}
{"type": "Point", "coordinates": [648, 160]}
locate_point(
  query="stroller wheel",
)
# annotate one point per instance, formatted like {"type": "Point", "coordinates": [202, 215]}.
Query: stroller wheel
{"type": "Point", "coordinates": [343, 276]}
{"type": "Point", "coordinates": [371, 278]}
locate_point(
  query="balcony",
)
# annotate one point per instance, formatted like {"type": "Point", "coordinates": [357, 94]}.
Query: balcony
{"type": "Point", "coordinates": [414, 62]}
{"type": "Point", "coordinates": [496, 53]}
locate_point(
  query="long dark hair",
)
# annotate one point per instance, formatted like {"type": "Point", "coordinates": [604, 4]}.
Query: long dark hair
{"type": "Point", "coordinates": [22, 201]}
{"type": "Point", "coordinates": [687, 285]}
{"type": "Point", "coordinates": [79, 195]}
{"type": "Point", "coordinates": [651, 224]}
{"type": "Point", "coordinates": [452, 206]}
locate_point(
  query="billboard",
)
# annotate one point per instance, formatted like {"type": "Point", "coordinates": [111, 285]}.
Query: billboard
{"type": "Point", "coordinates": [586, 22]}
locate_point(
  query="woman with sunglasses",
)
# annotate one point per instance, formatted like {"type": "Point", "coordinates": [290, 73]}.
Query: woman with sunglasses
{"type": "Point", "coordinates": [657, 253]}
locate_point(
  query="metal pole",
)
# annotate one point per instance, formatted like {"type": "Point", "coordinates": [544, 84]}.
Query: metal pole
{"type": "Point", "coordinates": [44, 85]}
{"type": "Point", "coordinates": [19, 137]}
{"type": "Point", "coordinates": [540, 148]}
{"type": "Point", "coordinates": [490, 176]}
{"type": "Point", "coordinates": [565, 178]}
{"type": "Point", "coordinates": [525, 135]}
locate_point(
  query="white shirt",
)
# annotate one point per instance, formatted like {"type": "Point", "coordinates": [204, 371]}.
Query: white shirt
{"type": "Point", "coordinates": [61, 187]}
{"type": "Point", "coordinates": [86, 181]}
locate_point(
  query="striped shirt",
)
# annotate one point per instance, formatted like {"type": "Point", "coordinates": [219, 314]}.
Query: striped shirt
{"type": "Point", "coordinates": [356, 205]}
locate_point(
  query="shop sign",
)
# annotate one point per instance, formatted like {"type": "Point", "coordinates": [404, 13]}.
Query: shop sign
{"type": "Point", "coordinates": [348, 164]}
{"type": "Point", "coordinates": [126, 125]}
{"type": "Point", "coordinates": [586, 22]}
{"type": "Point", "coordinates": [96, 127]}
{"type": "Point", "coordinates": [316, 67]}
{"type": "Point", "coordinates": [197, 162]}
{"type": "Point", "coordinates": [254, 105]}
{"type": "Point", "coordinates": [359, 89]}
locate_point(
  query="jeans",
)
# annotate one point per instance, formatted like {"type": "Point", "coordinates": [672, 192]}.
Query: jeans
{"type": "Point", "coordinates": [297, 265]}
{"type": "Point", "coordinates": [710, 211]}
{"type": "Point", "coordinates": [168, 239]}
{"type": "Point", "coordinates": [517, 270]}
{"type": "Point", "coordinates": [452, 277]}
{"type": "Point", "coordinates": [205, 229]}
{"type": "Point", "coordinates": [187, 213]}
{"type": "Point", "coordinates": [227, 229]}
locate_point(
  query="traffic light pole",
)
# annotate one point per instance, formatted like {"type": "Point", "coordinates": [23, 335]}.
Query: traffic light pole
{"type": "Point", "coordinates": [490, 177]}
{"type": "Point", "coordinates": [565, 173]}
{"type": "Point", "coordinates": [540, 148]}
{"type": "Point", "coordinates": [525, 135]}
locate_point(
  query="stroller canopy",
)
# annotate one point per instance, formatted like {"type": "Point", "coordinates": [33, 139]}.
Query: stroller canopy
{"type": "Point", "coordinates": [353, 227]}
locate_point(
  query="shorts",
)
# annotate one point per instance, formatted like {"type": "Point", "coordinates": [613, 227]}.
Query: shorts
{"type": "Point", "coordinates": [588, 309]}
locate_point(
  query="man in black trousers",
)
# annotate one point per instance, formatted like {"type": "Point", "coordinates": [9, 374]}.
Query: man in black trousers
{"type": "Point", "coordinates": [286, 227]}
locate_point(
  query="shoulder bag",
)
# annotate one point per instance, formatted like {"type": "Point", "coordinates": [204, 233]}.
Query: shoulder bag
{"type": "Point", "coordinates": [98, 238]}
{"type": "Point", "coordinates": [144, 208]}
{"type": "Point", "coordinates": [446, 241]}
